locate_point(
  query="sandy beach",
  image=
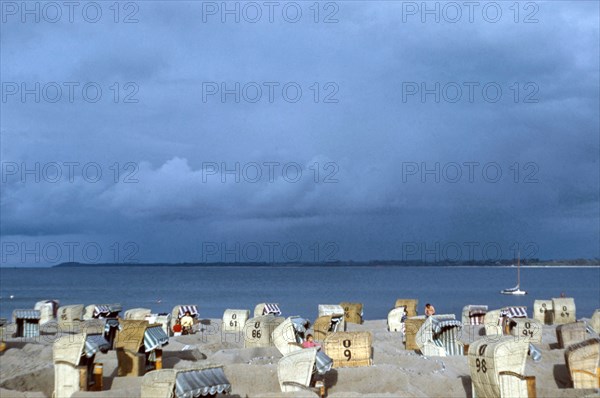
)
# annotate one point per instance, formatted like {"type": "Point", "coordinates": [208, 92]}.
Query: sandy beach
{"type": "Point", "coordinates": [26, 367]}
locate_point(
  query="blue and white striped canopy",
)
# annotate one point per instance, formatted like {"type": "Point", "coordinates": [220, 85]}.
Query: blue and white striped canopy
{"type": "Point", "coordinates": [155, 337]}
{"type": "Point", "coordinates": [514, 312]}
{"type": "Point", "coordinates": [192, 309]}
{"type": "Point", "coordinates": [95, 343]}
{"type": "Point", "coordinates": [271, 308]}
{"type": "Point", "coordinates": [200, 383]}
{"type": "Point", "coordinates": [27, 314]}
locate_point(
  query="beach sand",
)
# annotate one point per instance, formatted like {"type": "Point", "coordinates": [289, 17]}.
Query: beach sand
{"type": "Point", "coordinates": [26, 368]}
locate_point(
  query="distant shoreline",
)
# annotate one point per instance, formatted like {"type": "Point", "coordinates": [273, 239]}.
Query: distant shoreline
{"type": "Point", "coordinates": [501, 263]}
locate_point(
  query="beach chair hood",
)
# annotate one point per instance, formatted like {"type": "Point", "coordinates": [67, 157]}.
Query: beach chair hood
{"type": "Point", "coordinates": [474, 314]}
{"type": "Point", "coordinates": [71, 348]}
{"type": "Point", "coordinates": [331, 309]}
{"type": "Point", "coordinates": [27, 314]}
{"type": "Point", "coordinates": [185, 383]}
{"type": "Point", "coordinates": [137, 313]}
{"type": "Point", "coordinates": [180, 310]}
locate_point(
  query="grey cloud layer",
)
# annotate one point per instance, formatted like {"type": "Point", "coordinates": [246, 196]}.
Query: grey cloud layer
{"type": "Point", "coordinates": [369, 134]}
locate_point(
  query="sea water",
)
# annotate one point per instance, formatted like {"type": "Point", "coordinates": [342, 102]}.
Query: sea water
{"type": "Point", "coordinates": [298, 290]}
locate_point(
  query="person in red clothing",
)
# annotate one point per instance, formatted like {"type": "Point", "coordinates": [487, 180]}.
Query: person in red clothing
{"type": "Point", "coordinates": [177, 327]}
{"type": "Point", "coordinates": [310, 342]}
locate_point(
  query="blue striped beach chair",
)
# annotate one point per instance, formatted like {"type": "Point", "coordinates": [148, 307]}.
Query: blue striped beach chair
{"type": "Point", "coordinates": [439, 336]}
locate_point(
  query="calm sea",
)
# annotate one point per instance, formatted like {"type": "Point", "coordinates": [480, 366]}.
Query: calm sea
{"type": "Point", "coordinates": [298, 290]}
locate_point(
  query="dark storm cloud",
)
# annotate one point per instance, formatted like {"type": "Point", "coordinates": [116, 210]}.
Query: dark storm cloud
{"type": "Point", "coordinates": [174, 136]}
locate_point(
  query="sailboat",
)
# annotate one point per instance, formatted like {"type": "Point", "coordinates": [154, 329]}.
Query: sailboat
{"type": "Point", "coordinates": [517, 289]}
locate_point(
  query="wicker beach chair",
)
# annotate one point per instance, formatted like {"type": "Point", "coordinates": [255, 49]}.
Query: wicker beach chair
{"type": "Point", "coordinates": [349, 349]}
{"type": "Point", "coordinates": [139, 347]}
{"type": "Point", "coordinates": [298, 370]}
{"type": "Point", "coordinates": [570, 333]}
{"type": "Point", "coordinates": [497, 369]}
{"type": "Point", "coordinates": [3, 322]}
{"type": "Point", "coordinates": [439, 336]}
{"type": "Point", "coordinates": [137, 314]}
{"type": "Point", "coordinates": [410, 305]}
{"type": "Point", "coordinates": [325, 325]}
{"type": "Point", "coordinates": [353, 312]}
{"type": "Point", "coordinates": [73, 357]}
{"type": "Point", "coordinates": [526, 329]}
{"type": "Point", "coordinates": [474, 314]}
{"type": "Point", "coordinates": [491, 321]}
{"type": "Point", "coordinates": [48, 310]}
{"type": "Point", "coordinates": [497, 322]}
{"type": "Point", "coordinates": [27, 323]}
{"type": "Point", "coordinates": [411, 328]}
{"type": "Point", "coordinates": [201, 381]}
{"type": "Point", "coordinates": [564, 310]}
{"type": "Point", "coordinates": [266, 309]}
{"type": "Point", "coordinates": [582, 360]}
{"type": "Point", "coordinates": [290, 334]}
{"type": "Point", "coordinates": [543, 311]}
{"type": "Point", "coordinates": [396, 318]}
{"type": "Point", "coordinates": [258, 330]}
{"type": "Point", "coordinates": [70, 317]}
{"type": "Point", "coordinates": [179, 311]}
{"type": "Point", "coordinates": [337, 315]}
{"type": "Point", "coordinates": [595, 321]}
{"type": "Point", "coordinates": [234, 320]}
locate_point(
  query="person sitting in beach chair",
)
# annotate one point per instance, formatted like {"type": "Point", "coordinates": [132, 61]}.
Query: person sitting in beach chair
{"type": "Point", "coordinates": [310, 342]}
{"type": "Point", "coordinates": [187, 322]}
{"type": "Point", "coordinates": [177, 329]}
{"type": "Point", "coordinates": [429, 310]}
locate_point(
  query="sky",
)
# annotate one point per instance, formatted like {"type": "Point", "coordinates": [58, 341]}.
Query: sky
{"type": "Point", "coordinates": [189, 131]}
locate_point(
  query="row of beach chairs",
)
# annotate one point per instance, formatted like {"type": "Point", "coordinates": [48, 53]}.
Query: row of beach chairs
{"type": "Point", "coordinates": [437, 335]}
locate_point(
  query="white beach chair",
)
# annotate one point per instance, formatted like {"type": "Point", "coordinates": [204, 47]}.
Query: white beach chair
{"type": "Point", "coordinates": [595, 321]}
{"type": "Point", "coordinates": [290, 334]}
{"type": "Point", "coordinates": [543, 311]}
{"type": "Point", "coordinates": [297, 370]}
{"type": "Point", "coordinates": [48, 310]}
{"type": "Point", "coordinates": [73, 357]}
{"type": "Point", "coordinates": [526, 329]}
{"type": "Point", "coordinates": [492, 324]}
{"type": "Point", "coordinates": [571, 333]}
{"type": "Point", "coordinates": [234, 320]}
{"type": "Point", "coordinates": [583, 362]}
{"type": "Point", "coordinates": [258, 330]}
{"type": "Point", "coordinates": [564, 310]}
{"type": "Point", "coordinates": [497, 369]}
{"type": "Point", "coordinates": [396, 318]}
